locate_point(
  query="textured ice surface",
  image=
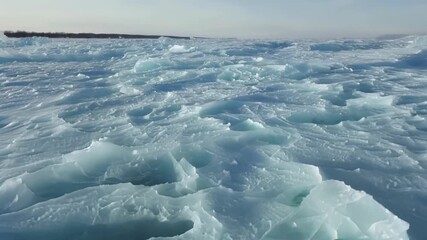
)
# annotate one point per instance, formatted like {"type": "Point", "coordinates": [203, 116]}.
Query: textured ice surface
{"type": "Point", "coordinates": [213, 139]}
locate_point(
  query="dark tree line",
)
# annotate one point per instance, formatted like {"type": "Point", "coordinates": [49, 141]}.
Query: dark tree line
{"type": "Point", "coordinates": [23, 34]}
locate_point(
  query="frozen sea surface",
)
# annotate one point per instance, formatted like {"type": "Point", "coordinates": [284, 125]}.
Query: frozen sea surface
{"type": "Point", "coordinates": [213, 139]}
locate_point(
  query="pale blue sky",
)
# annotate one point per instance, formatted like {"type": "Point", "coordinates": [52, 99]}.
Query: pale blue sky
{"type": "Point", "coordinates": [219, 18]}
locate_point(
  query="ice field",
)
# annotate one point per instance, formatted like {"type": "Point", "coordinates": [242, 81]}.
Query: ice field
{"type": "Point", "coordinates": [213, 139]}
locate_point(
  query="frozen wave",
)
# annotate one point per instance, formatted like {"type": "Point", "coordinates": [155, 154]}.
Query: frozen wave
{"type": "Point", "coordinates": [213, 139]}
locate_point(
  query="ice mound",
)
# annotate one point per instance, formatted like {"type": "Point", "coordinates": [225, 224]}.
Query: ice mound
{"type": "Point", "coordinates": [417, 61]}
{"type": "Point", "coordinates": [333, 210]}
{"type": "Point", "coordinates": [355, 110]}
{"type": "Point", "coordinates": [103, 213]}
{"type": "Point", "coordinates": [148, 65]}
{"type": "Point", "coordinates": [256, 48]}
{"type": "Point", "coordinates": [347, 45]}
{"type": "Point", "coordinates": [180, 49]}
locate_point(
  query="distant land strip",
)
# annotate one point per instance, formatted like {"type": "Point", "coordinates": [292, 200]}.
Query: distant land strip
{"type": "Point", "coordinates": [24, 34]}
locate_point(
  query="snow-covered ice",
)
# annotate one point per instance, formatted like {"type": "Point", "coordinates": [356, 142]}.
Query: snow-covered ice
{"type": "Point", "coordinates": [213, 139]}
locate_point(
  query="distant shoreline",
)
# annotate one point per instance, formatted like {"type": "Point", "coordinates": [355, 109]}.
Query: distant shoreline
{"type": "Point", "coordinates": [24, 34]}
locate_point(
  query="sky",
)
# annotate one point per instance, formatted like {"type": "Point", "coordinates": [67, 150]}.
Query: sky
{"type": "Point", "coordinates": [219, 18]}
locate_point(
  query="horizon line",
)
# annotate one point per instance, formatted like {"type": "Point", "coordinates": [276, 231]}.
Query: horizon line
{"type": "Point", "coordinates": [94, 35]}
